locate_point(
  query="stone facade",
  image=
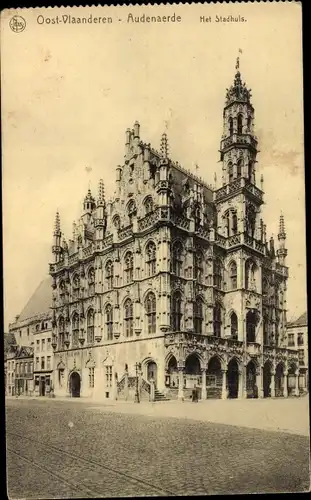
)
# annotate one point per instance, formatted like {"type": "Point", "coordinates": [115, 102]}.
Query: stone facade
{"type": "Point", "coordinates": [172, 284]}
{"type": "Point", "coordinates": [297, 336]}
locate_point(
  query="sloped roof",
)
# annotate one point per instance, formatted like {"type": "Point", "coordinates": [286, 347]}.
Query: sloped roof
{"type": "Point", "coordinates": [24, 352]}
{"type": "Point", "coordinates": [301, 321]}
{"type": "Point", "coordinates": [40, 302]}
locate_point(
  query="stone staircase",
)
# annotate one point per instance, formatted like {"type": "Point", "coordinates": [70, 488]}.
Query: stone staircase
{"type": "Point", "coordinates": [159, 396]}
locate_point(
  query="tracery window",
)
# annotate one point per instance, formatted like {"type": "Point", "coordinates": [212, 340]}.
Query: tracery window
{"type": "Point", "coordinates": [131, 210]}
{"type": "Point", "coordinates": [61, 333]}
{"type": "Point", "coordinates": [218, 273]}
{"type": "Point", "coordinates": [240, 124]}
{"type": "Point", "coordinates": [198, 267]}
{"type": "Point", "coordinates": [151, 258]}
{"type": "Point", "coordinates": [176, 312]}
{"type": "Point", "coordinates": [109, 321]}
{"type": "Point", "coordinates": [198, 315]}
{"type": "Point", "coordinates": [91, 281]}
{"type": "Point", "coordinates": [177, 258]}
{"type": "Point", "coordinates": [150, 306]}
{"type": "Point", "coordinates": [109, 274]}
{"type": "Point", "coordinates": [230, 171]}
{"type": "Point", "coordinates": [217, 320]}
{"type": "Point", "coordinates": [148, 205]}
{"type": "Point", "coordinates": [75, 329]}
{"type": "Point", "coordinates": [128, 318]}
{"type": "Point", "coordinates": [75, 287]}
{"type": "Point", "coordinates": [233, 275]}
{"type": "Point", "coordinates": [230, 126]}
{"type": "Point", "coordinates": [128, 267]}
{"type": "Point", "coordinates": [239, 168]}
{"type": "Point", "coordinates": [90, 326]}
{"type": "Point", "coordinates": [234, 326]}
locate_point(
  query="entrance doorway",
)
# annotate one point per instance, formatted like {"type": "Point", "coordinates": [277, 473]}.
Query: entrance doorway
{"type": "Point", "coordinates": [267, 380]}
{"type": "Point", "coordinates": [279, 380]}
{"type": "Point", "coordinates": [233, 379]}
{"type": "Point", "coordinates": [152, 372]}
{"type": "Point", "coordinates": [75, 385]}
{"type": "Point", "coordinates": [42, 386]}
{"type": "Point", "coordinates": [251, 387]}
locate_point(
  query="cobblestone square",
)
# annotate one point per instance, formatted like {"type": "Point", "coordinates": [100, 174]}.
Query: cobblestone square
{"type": "Point", "coordinates": [70, 449]}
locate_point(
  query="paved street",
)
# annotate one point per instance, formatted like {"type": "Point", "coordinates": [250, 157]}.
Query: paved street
{"type": "Point", "coordinates": [73, 449]}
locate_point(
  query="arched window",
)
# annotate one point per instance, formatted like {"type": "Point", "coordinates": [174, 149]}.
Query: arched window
{"type": "Point", "coordinates": [128, 318]}
{"type": "Point", "coordinates": [109, 321]}
{"type": "Point", "coordinates": [250, 275]}
{"type": "Point", "coordinates": [109, 274]}
{"type": "Point", "coordinates": [197, 217]}
{"type": "Point", "coordinates": [116, 222]}
{"type": "Point", "coordinates": [217, 320]}
{"type": "Point", "coordinates": [251, 327]}
{"type": "Point", "coordinates": [198, 315]}
{"type": "Point", "coordinates": [218, 273]}
{"type": "Point", "coordinates": [177, 258]}
{"type": "Point", "coordinates": [176, 312]}
{"type": "Point", "coordinates": [128, 267]}
{"type": "Point", "coordinates": [240, 124]}
{"type": "Point", "coordinates": [61, 332]}
{"type": "Point", "coordinates": [233, 275]}
{"type": "Point", "coordinates": [198, 267]}
{"type": "Point", "coordinates": [249, 124]}
{"type": "Point", "coordinates": [230, 126]}
{"type": "Point", "coordinates": [90, 326]}
{"type": "Point", "coordinates": [234, 326]}
{"type": "Point", "coordinates": [75, 287]}
{"type": "Point", "coordinates": [150, 306]}
{"type": "Point", "coordinates": [91, 281]}
{"type": "Point", "coordinates": [148, 205]}
{"type": "Point", "coordinates": [62, 291]}
{"type": "Point", "coordinates": [75, 329]}
{"type": "Point", "coordinates": [265, 287]}
{"type": "Point", "coordinates": [234, 223]}
{"type": "Point", "coordinates": [230, 171]}
{"type": "Point", "coordinates": [151, 258]}
{"type": "Point", "coordinates": [250, 170]}
{"type": "Point", "coordinates": [239, 168]}
{"type": "Point", "coordinates": [131, 210]}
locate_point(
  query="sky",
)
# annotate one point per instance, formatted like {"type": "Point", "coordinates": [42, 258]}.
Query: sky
{"type": "Point", "coordinates": [70, 92]}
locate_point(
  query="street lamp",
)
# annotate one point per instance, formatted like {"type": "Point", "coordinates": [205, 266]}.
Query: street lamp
{"type": "Point", "coordinates": [137, 370]}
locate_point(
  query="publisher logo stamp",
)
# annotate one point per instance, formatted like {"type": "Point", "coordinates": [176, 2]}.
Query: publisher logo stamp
{"type": "Point", "coordinates": [17, 24]}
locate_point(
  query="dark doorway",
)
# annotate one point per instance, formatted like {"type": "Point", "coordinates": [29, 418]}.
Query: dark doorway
{"type": "Point", "coordinates": [267, 380]}
{"type": "Point", "coordinates": [192, 365]}
{"type": "Point", "coordinates": [75, 385]}
{"type": "Point", "coordinates": [233, 379]}
{"type": "Point", "coordinates": [279, 380]}
{"type": "Point", "coordinates": [42, 387]}
{"type": "Point", "coordinates": [251, 387]}
{"type": "Point", "coordinates": [152, 371]}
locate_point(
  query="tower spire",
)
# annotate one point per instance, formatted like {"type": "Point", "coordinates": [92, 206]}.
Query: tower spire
{"type": "Point", "coordinates": [101, 192]}
{"type": "Point", "coordinates": [282, 251]}
{"type": "Point", "coordinates": [164, 145]}
{"type": "Point", "coordinates": [57, 224]}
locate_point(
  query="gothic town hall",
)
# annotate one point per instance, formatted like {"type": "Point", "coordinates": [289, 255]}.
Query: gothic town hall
{"type": "Point", "coordinates": [174, 284]}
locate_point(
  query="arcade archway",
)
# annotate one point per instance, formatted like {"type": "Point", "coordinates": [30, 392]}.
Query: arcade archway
{"type": "Point", "coordinates": [75, 385]}
{"type": "Point", "coordinates": [233, 379]}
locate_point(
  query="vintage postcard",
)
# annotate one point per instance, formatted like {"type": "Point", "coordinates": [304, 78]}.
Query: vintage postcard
{"type": "Point", "coordinates": [156, 326]}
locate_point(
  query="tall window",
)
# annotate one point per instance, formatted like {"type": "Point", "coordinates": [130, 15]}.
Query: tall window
{"type": "Point", "coordinates": [230, 171]}
{"type": "Point", "coordinates": [108, 376]}
{"type": "Point", "coordinates": [230, 126]}
{"type": "Point", "coordinates": [249, 124]}
{"type": "Point", "coordinates": [128, 267]}
{"type": "Point", "coordinates": [233, 275]}
{"type": "Point", "coordinates": [61, 332]}
{"type": "Point", "coordinates": [151, 258]}
{"type": "Point", "coordinates": [197, 218]}
{"type": "Point", "coordinates": [177, 258]}
{"type": "Point", "coordinates": [239, 168]}
{"type": "Point", "coordinates": [75, 329]}
{"type": "Point", "coordinates": [128, 318]}
{"type": "Point", "coordinates": [250, 170]}
{"type": "Point", "coordinates": [62, 291]}
{"type": "Point", "coordinates": [116, 222]}
{"type": "Point", "coordinates": [90, 326]}
{"type": "Point", "coordinates": [91, 377]}
{"type": "Point", "coordinates": [291, 340]}
{"type": "Point", "coordinates": [217, 320]}
{"type": "Point", "coordinates": [150, 306]}
{"type": "Point", "coordinates": [251, 326]}
{"type": "Point", "coordinates": [91, 281]}
{"type": "Point", "coordinates": [198, 315]}
{"type": "Point", "coordinates": [240, 124]}
{"type": "Point", "coordinates": [300, 340]}
{"type": "Point", "coordinates": [234, 326]}
{"type": "Point", "coordinates": [198, 267]}
{"type": "Point", "coordinates": [218, 273]}
{"type": "Point", "coordinates": [131, 210]}
{"type": "Point", "coordinates": [109, 321]}
{"type": "Point", "coordinates": [176, 312]}
{"type": "Point", "coordinates": [109, 274]}
{"type": "Point", "coordinates": [265, 287]}
{"type": "Point", "coordinates": [250, 275]}
{"type": "Point", "coordinates": [148, 205]}
{"type": "Point", "coordinates": [75, 287]}
{"type": "Point", "coordinates": [234, 223]}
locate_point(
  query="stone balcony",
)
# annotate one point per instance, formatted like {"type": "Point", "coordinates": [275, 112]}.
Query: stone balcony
{"type": "Point", "coordinates": [204, 342]}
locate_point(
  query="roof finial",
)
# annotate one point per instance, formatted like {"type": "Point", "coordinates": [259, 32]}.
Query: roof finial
{"type": "Point", "coordinates": [101, 192]}
{"type": "Point", "coordinates": [282, 233]}
{"type": "Point", "coordinates": [237, 65]}
{"type": "Point", "coordinates": [164, 145]}
{"type": "Point", "coordinates": [57, 223]}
